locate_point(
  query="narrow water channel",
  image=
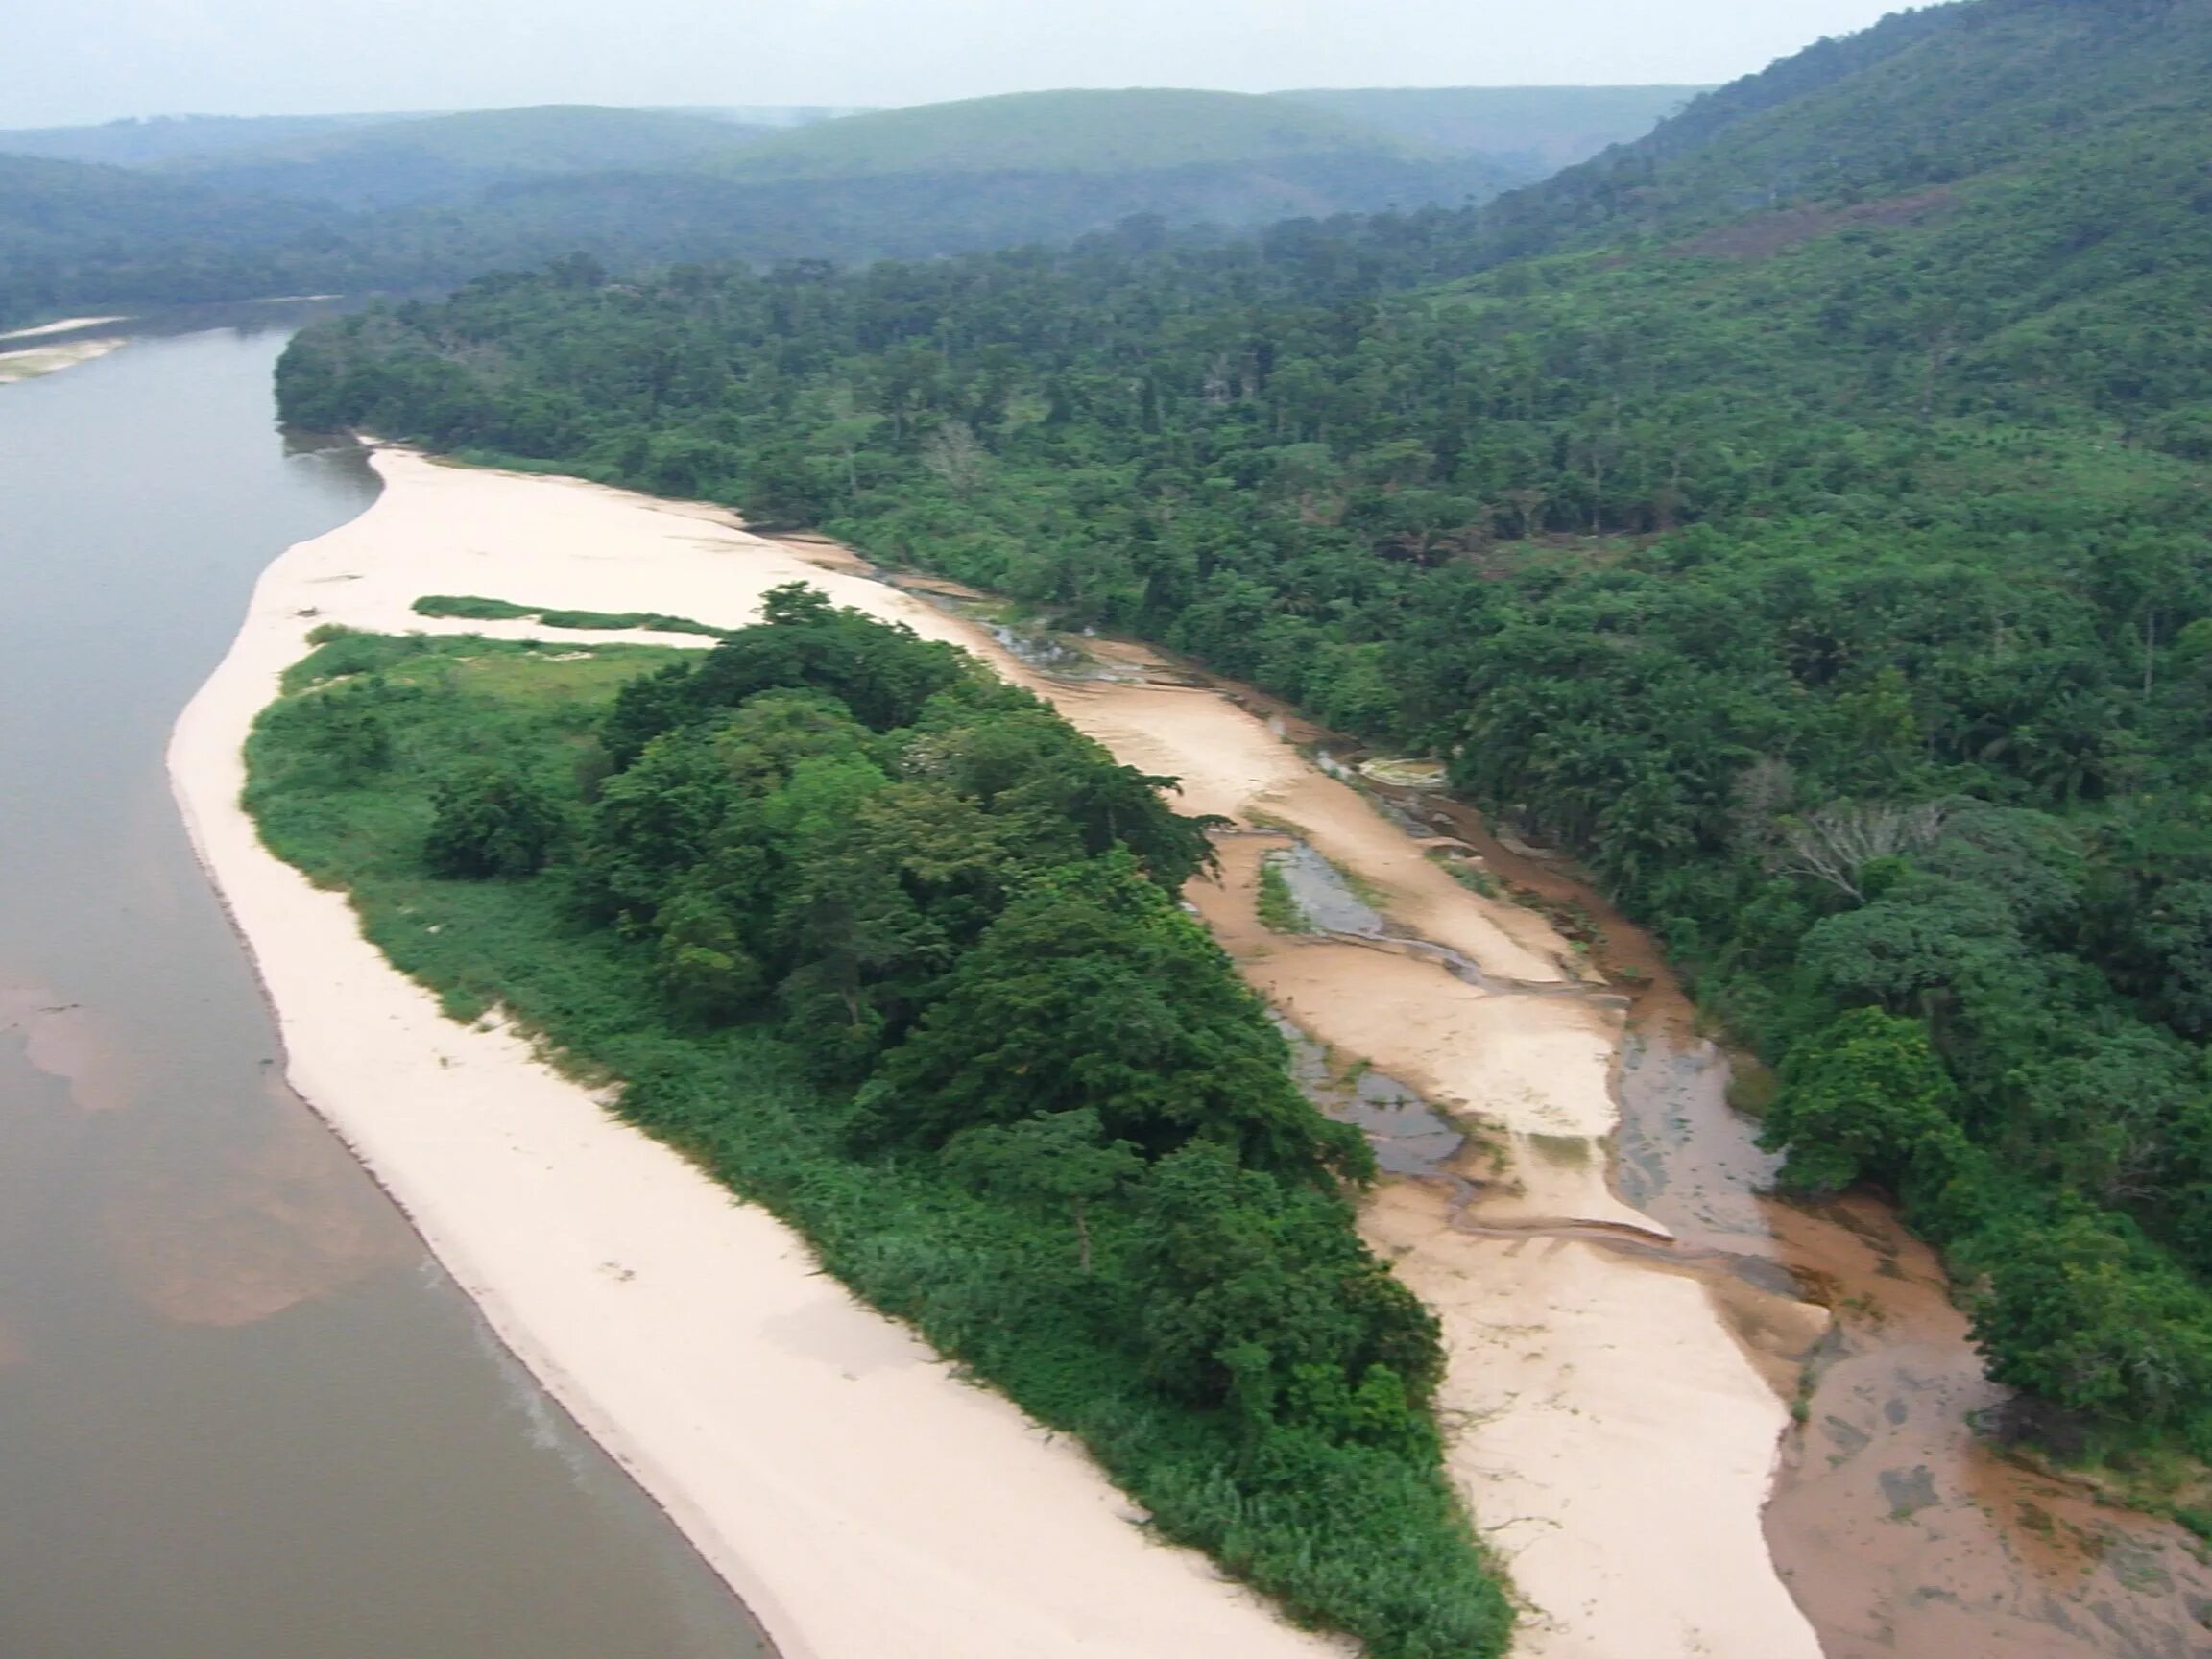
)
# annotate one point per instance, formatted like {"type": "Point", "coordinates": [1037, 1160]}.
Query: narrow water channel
{"type": "Point", "coordinates": [242, 1414]}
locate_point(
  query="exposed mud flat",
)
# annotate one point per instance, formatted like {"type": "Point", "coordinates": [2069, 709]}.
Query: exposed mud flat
{"type": "Point", "coordinates": [1904, 1533]}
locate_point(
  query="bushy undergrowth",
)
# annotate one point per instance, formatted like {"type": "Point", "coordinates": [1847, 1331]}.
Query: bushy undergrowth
{"type": "Point", "coordinates": [1185, 1294]}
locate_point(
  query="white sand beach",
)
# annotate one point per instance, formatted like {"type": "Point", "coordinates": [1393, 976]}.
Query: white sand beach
{"type": "Point", "coordinates": [1616, 1443]}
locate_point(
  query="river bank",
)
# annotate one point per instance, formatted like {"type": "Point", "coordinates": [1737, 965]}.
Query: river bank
{"type": "Point", "coordinates": [858, 1496]}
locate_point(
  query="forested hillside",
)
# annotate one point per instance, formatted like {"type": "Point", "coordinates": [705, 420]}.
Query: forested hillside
{"type": "Point", "coordinates": [1809, 529]}
{"type": "Point", "coordinates": [142, 143]}
{"type": "Point", "coordinates": [1081, 131]}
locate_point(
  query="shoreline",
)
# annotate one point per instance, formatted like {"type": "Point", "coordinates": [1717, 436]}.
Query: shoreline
{"type": "Point", "coordinates": [858, 1496]}
{"type": "Point", "coordinates": [65, 325]}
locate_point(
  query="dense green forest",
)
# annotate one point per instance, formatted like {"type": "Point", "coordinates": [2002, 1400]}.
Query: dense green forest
{"type": "Point", "coordinates": [1800, 514]}
{"type": "Point", "coordinates": [891, 949]}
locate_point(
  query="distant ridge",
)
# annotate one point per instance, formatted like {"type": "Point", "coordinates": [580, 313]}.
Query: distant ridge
{"type": "Point", "coordinates": [1540, 128]}
{"type": "Point", "coordinates": [429, 157]}
{"type": "Point", "coordinates": [1086, 131]}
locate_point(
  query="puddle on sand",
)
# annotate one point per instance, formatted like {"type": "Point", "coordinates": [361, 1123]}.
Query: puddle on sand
{"type": "Point", "coordinates": [1322, 895]}
{"type": "Point", "coordinates": [1410, 1136]}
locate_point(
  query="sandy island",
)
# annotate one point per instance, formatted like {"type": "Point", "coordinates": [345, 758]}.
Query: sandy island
{"type": "Point", "coordinates": [864, 1500]}
{"type": "Point", "coordinates": [1615, 1442]}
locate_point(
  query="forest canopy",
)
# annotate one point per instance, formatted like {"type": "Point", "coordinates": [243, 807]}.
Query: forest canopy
{"type": "Point", "coordinates": [1799, 516]}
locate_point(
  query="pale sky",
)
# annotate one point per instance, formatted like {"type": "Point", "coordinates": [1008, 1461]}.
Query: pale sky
{"type": "Point", "coordinates": [96, 59]}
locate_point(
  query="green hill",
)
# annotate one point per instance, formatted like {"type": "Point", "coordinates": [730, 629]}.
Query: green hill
{"type": "Point", "coordinates": [73, 236]}
{"type": "Point", "coordinates": [1924, 98]}
{"type": "Point", "coordinates": [1124, 131]}
{"type": "Point", "coordinates": [1807, 528]}
{"type": "Point", "coordinates": [447, 156]}
{"type": "Point", "coordinates": [1541, 127]}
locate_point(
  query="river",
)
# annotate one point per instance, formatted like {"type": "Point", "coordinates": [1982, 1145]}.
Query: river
{"type": "Point", "coordinates": [243, 1416]}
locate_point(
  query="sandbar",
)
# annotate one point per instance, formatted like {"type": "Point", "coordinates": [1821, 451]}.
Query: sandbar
{"type": "Point", "coordinates": [863, 1500]}
{"type": "Point", "coordinates": [29, 365]}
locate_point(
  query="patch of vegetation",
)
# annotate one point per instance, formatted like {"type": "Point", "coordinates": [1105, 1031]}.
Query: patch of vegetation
{"type": "Point", "coordinates": [480, 610]}
{"type": "Point", "coordinates": [893, 951]}
{"type": "Point", "coordinates": [1278, 906]}
{"type": "Point", "coordinates": [1475, 877]}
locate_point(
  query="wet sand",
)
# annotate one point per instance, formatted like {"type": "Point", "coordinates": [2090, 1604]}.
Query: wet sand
{"type": "Point", "coordinates": [1615, 1441]}
{"type": "Point", "coordinates": [859, 1497]}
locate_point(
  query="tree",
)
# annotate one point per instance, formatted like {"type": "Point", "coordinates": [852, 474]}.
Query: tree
{"type": "Point", "coordinates": [2079, 1311]}
{"type": "Point", "coordinates": [1093, 990]}
{"type": "Point", "coordinates": [1059, 1158]}
{"type": "Point", "coordinates": [489, 820]}
{"type": "Point", "coordinates": [1866, 1098]}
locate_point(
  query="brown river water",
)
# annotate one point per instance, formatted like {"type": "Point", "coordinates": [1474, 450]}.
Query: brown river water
{"type": "Point", "coordinates": [242, 1414]}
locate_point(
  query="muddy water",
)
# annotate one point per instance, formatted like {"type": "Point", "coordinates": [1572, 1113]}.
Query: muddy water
{"type": "Point", "coordinates": [242, 1415]}
{"type": "Point", "coordinates": [1899, 1533]}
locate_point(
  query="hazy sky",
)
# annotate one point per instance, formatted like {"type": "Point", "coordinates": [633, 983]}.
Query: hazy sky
{"type": "Point", "coordinates": [95, 59]}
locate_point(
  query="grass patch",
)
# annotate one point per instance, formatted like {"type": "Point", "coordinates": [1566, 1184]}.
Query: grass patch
{"type": "Point", "coordinates": [472, 608]}
{"type": "Point", "coordinates": [1278, 906]}
{"type": "Point", "coordinates": [1469, 874]}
